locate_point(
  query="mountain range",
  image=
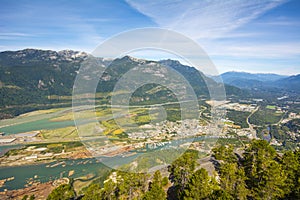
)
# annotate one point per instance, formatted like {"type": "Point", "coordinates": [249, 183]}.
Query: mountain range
{"type": "Point", "coordinates": [42, 77]}
{"type": "Point", "coordinates": [259, 81]}
{"type": "Point", "coordinates": [32, 77]}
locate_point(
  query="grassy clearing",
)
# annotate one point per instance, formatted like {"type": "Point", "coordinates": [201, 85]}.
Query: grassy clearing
{"type": "Point", "coordinates": [265, 116]}
{"type": "Point", "coordinates": [40, 112]}
{"type": "Point", "coordinates": [70, 116]}
{"type": "Point", "coordinates": [238, 117]}
{"type": "Point", "coordinates": [66, 117]}
{"type": "Point", "coordinates": [61, 133]}
{"type": "Point", "coordinates": [116, 127]}
{"type": "Point", "coordinates": [271, 107]}
{"type": "Point", "coordinates": [85, 114]}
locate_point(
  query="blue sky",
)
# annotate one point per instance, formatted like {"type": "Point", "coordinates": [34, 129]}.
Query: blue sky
{"type": "Point", "coordinates": [254, 36]}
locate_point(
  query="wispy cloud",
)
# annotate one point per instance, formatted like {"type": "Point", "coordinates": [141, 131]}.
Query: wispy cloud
{"type": "Point", "coordinates": [236, 34]}
{"type": "Point", "coordinates": [285, 67]}
{"type": "Point", "coordinates": [204, 19]}
{"type": "Point", "coordinates": [101, 19]}
{"type": "Point", "coordinates": [266, 51]}
{"type": "Point", "coordinates": [287, 22]}
{"type": "Point", "coordinates": [14, 35]}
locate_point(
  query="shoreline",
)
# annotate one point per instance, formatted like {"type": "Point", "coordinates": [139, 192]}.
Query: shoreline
{"type": "Point", "coordinates": [42, 162]}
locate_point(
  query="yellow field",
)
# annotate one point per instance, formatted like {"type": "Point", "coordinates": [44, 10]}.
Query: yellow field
{"type": "Point", "coordinates": [39, 112]}
{"type": "Point", "coordinates": [65, 117]}
{"type": "Point", "coordinates": [61, 133]}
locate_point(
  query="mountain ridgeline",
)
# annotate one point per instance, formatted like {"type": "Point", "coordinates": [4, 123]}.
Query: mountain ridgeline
{"type": "Point", "coordinates": [262, 82]}
{"type": "Point", "coordinates": [33, 79]}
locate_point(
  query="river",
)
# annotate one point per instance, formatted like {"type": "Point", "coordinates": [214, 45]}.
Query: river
{"type": "Point", "coordinates": [51, 171]}
{"type": "Point", "coordinates": [43, 172]}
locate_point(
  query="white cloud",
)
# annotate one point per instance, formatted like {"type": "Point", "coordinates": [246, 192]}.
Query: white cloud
{"type": "Point", "coordinates": [219, 28]}
{"type": "Point", "coordinates": [14, 35]}
{"type": "Point", "coordinates": [266, 51]}
{"type": "Point", "coordinates": [203, 19]}
{"type": "Point", "coordinates": [280, 57]}
{"type": "Point", "coordinates": [252, 66]}
{"type": "Point", "coordinates": [101, 19]}
{"type": "Point", "coordinates": [280, 23]}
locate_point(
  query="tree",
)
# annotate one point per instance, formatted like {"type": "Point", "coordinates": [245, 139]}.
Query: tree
{"type": "Point", "coordinates": [32, 197]}
{"type": "Point", "coordinates": [232, 180]}
{"type": "Point", "coordinates": [63, 192]}
{"type": "Point", "coordinates": [291, 165]}
{"type": "Point", "coordinates": [155, 190]}
{"type": "Point", "coordinates": [200, 186]}
{"type": "Point", "coordinates": [165, 181]}
{"type": "Point", "coordinates": [265, 177]}
{"type": "Point", "coordinates": [221, 195]}
{"type": "Point", "coordinates": [255, 156]}
{"type": "Point", "coordinates": [224, 153]}
{"type": "Point", "coordinates": [93, 192]}
{"type": "Point", "coordinates": [180, 171]}
{"type": "Point", "coordinates": [132, 185]}
{"type": "Point", "coordinates": [110, 191]}
{"type": "Point", "coordinates": [120, 185]}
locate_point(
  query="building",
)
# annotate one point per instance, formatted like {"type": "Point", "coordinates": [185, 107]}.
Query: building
{"type": "Point", "coordinates": [7, 140]}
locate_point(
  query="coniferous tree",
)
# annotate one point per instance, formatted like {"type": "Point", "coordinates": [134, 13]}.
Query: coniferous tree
{"type": "Point", "coordinates": [63, 192]}
{"type": "Point", "coordinates": [259, 174]}
{"type": "Point", "coordinates": [155, 189]}
{"type": "Point", "coordinates": [93, 192]}
{"type": "Point", "coordinates": [221, 195]}
{"type": "Point", "coordinates": [200, 186]}
{"type": "Point", "coordinates": [291, 165]}
{"type": "Point", "coordinates": [225, 154]}
{"type": "Point", "coordinates": [132, 185]}
{"type": "Point", "coordinates": [232, 180]}
{"type": "Point", "coordinates": [180, 172]}
{"type": "Point", "coordinates": [265, 177]}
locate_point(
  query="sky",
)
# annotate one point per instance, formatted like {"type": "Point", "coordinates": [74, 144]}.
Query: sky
{"type": "Point", "coordinates": [258, 36]}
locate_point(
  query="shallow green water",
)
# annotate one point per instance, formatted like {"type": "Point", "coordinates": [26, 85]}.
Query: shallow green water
{"type": "Point", "coordinates": [47, 173]}
{"type": "Point", "coordinates": [44, 174]}
{"type": "Point", "coordinates": [81, 167]}
{"type": "Point", "coordinates": [4, 149]}
{"type": "Point", "coordinates": [36, 125]}
{"type": "Point", "coordinates": [22, 124]}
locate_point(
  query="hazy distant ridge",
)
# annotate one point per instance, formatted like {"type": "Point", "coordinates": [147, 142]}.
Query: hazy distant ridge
{"type": "Point", "coordinates": [258, 81]}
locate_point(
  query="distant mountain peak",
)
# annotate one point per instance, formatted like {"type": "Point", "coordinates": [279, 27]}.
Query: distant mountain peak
{"type": "Point", "coordinates": [242, 72]}
{"type": "Point", "coordinates": [132, 59]}
{"type": "Point", "coordinates": [263, 81]}
{"type": "Point", "coordinates": [170, 61]}
{"type": "Point", "coordinates": [28, 55]}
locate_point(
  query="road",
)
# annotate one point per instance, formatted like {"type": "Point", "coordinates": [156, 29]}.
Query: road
{"type": "Point", "coordinates": [252, 131]}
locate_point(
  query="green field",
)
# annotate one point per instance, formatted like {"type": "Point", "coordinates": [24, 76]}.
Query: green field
{"type": "Point", "coordinates": [271, 107]}
{"type": "Point", "coordinates": [265, 116]}
{"type": "Point", "coordinates": [238, 117]}
{"type": "Point", "coordinates": [69, 132]}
